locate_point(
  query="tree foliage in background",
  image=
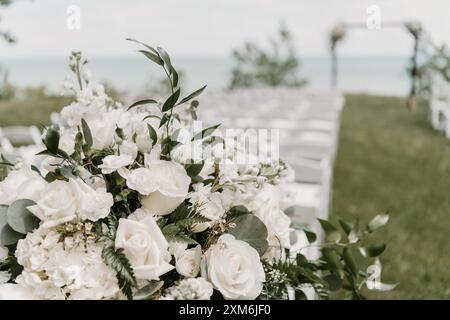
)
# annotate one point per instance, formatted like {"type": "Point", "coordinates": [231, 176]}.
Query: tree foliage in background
{"type": "Point", "coordinates": [416, 30]}
{"type": "Point", "coordinates": [5, 34]}
{"type": "Point", "coordinates": [7, 90]}
{"type": "Point", "coordinates": [277, 66]}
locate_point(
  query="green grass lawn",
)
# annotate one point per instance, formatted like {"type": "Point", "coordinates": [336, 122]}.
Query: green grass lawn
{"type": "Point", "coordinates": [30, 112]}
{"type": "Point", "coordinates": [390, 159]}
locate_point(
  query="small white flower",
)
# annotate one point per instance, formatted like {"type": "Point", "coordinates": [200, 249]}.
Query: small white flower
{"type": "Point", "coordinates": [190, 289]}
{"type": "Point", "coordinates": [113, 163]}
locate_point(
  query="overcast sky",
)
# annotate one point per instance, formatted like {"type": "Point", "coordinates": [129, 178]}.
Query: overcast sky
{"type": "Point", "coordinates": [210, 27]}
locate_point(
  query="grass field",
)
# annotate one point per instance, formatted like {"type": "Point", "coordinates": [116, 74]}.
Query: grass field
{"type": "Point", "coordinates": [30, 112]}
{"type": "Point", "coordinates": [389, 159]}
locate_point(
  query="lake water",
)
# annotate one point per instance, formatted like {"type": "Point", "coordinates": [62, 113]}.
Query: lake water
{"type": "Point", "coordinates": [378, 75]}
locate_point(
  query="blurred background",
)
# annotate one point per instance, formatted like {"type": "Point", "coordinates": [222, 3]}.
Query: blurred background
{"type": "Point", "coordinates": [362, 85]}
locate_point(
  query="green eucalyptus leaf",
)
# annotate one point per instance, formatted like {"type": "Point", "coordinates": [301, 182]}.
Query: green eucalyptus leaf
{"type": "Point", "coordinates": [152, 116]}
{"type": "Point", "coordinates": [142, 102]}
{"type": "Point", "coordinates": [375, 250]}
{"type": "Point", "coordinates": [237, 211]}
{"type": "Point", "coordinates": [193, 169]}
{"type": "Point", "coordinates": [20, 219]}
{"type": "Point", "coordinates": [175, 78]}
{"type": "Point", "coordinates": [350, 260]}
{"type": "Point", "coordinates": [153, 57]}
{"type": "Point", "coordinates": [300, 295]}
{"type": "Point", "coordinates": [205, 132]}
{"type": "Point", "coordinates": [377, 222]}
{"type": "Point", "coordinates": [163, 121]}
{"type": "Point", "coordinates": [165, 58]}
{"type": "Point", "coordinates": [333, 281]}
{"type": "Point", "coordinates": [147, 291]}
{"type": "Point", "coordinates": [153, 134]}
{"type": "Point", "coordinates": [331, 232]}
{"type": "Point", "coordinates": [347, 227]}
{"type": "Point", "coordinates": [86, 133]}
{"type": "Point", "coordinates": [51, 140]}
{"type": "Point", "coordinates": [145, 45]}
{"type": "Point", "coordinates": [251, 229]}
{"type": "Point", "coordinates": [7, 235]}
{"type": "Point", "coordinates": [192, 95]}
{"type": "Point", "coordinates": [171, 101]}
{"type": "Point", "coordinates": [332, 259]}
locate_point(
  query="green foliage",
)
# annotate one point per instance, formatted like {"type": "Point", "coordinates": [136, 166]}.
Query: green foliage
{"type": "Point", "coordinates": [20, 219]}
{"type": "Point", "coordinates": [344, 266]}
{"type": "Point", "coordinates": [146, 292]}
{"type": "Point", "coordinates": [115, 257]}
{"type": "Point", "coordinates": [275, 67]}
{"type": "Point", "coordinates": [117, 260]}
{"type": "Point", "coordinates": [159, 56]}
{"type": "Point", "coordinates": [251, 229]}
{"type": "Point", "coordinates": [16, 221]}
{"type": "Point", "coordinates": [178, 225]}
{"type": "Point", "coordinates": [7, 90]}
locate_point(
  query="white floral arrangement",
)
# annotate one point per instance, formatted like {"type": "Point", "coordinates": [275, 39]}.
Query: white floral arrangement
{"type": "Point", "coordinates": [119, 208]}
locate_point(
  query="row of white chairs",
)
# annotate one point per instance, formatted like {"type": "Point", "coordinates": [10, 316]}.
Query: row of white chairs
{"type": "Point", "coordinates": [440, 115]}
{"type": "Point", "coordinates": [308, 127]}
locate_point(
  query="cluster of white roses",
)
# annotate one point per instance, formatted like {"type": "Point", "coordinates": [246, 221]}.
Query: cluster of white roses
{"type": "Point", "coordinates": [112, 163]}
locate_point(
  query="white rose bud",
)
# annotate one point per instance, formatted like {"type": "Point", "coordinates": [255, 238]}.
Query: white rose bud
{"type": "Point", "coordinates": [188, 262]}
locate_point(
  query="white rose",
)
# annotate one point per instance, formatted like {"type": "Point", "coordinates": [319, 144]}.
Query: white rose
{"type": "Point", "coordinates": [128, 148]}
{"type": "Point", "coordinates": [113, 163]}
{"type": "Point", "coordinates": [145, 247]}
{"type": "Point", "coordinates": [188, 262]}
{"type": "Point", "coordinates": [102, 132]}
{"type": "Point", "coordinates": [277, 223]}
{"type": "Point", "coordinates": [165, 185]}
{"type": "Point", "coordinates": [92, 204]}
{"type": "Point", "coordinates": [56, 205]}
{"type": "Point", "coordinates": [3, 253]}
{"type": "Point", "coordinates": [10, 291]}
{"type": "Point", "coordinates": [234, 268]}
{"type": "Point", "coordinates": [21, 184]}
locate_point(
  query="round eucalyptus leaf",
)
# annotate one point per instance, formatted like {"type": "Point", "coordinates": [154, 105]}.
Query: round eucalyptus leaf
{"type": "Point", "coordinates": [251, 229]}
{"type": "Point", "coordinates": [3, 215]}
{"type": "Point", "coordinates": [8, 236]}
{"type": "Point", "coordinates": [20, 219]}
{"type": "Point", "coordinates": [146, 292]}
